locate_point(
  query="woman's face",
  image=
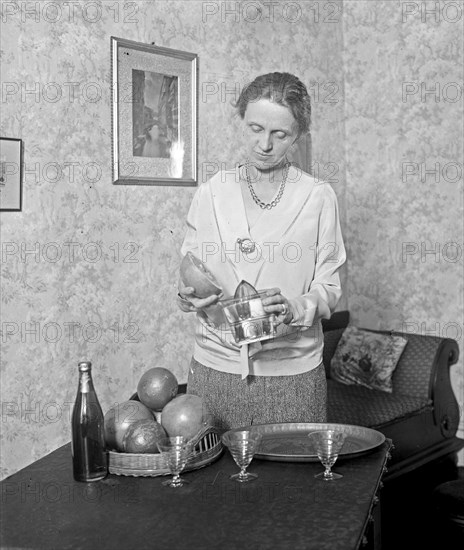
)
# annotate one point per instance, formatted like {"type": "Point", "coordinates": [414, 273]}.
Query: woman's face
{"type": "Point", "coordinates": [270, 130]}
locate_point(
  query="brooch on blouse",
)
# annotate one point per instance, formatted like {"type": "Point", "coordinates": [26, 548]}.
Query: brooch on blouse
{"type": "Point", "coordinates": [246, 245]}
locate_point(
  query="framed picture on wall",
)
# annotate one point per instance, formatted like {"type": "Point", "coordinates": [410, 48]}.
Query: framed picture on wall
{"type": "Point", "coordinates": [154, 108]}
{"type": "Point", "coordinates": [11, 174]}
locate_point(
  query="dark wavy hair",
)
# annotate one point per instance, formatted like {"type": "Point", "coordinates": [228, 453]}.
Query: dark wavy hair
{"type": "Point", "coordinates": [282, 88]}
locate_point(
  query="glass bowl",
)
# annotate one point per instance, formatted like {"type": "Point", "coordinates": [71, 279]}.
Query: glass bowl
{"type": "Point", "coordinates": [247, 319]}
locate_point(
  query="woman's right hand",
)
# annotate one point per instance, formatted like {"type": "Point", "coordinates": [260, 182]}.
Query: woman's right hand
{"type": "Point", "coordinates": [189, 302]}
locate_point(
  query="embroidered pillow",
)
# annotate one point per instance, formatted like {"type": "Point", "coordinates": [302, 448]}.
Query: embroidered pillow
{"type": "Point", "coordinates": [367, 358]}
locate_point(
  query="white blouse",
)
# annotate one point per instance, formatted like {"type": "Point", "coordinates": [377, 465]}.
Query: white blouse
{"type": "Point", "coordinates": [299, 249]}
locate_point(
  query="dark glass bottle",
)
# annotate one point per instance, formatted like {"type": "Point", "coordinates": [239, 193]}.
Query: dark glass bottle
{"type": "Point", "coordinates": [88, 436]}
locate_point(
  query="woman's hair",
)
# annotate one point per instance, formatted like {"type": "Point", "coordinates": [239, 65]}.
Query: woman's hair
{"type": "Point", "coordinates": [284, 89]}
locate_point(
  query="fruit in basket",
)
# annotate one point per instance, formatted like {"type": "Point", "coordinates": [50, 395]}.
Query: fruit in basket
{"type": "Point", "coordinates": [120, 418]}
{"type": "Point", "coordinates": [143, 436]}
{"type": "Point", "coordinates": [156, 387]}
{"type": "Point", "coordinates": [185, 415]}
{"type": "Point", "coordinates": [195, 274]}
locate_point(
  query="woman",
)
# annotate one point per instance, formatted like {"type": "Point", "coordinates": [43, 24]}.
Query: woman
{"type": "Point", "coordinates": [277, 228]}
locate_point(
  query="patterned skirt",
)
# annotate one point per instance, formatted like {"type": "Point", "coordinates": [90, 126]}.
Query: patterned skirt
{"type": "Point", "coordinates": [233, 402]}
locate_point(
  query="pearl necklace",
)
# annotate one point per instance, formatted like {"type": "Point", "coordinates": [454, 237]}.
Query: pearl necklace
{"type": "Point", "coordinates": [274, 202]}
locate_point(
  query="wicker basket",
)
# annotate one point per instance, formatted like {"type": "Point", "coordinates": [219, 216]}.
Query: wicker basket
{"type": "Point", "coordinates": [208, 448]}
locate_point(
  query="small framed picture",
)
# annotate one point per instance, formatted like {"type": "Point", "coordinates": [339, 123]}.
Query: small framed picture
{"type": "Point", "coordinates": [11, 174]}
{"type": "Point", "coordinates": [154, 122]}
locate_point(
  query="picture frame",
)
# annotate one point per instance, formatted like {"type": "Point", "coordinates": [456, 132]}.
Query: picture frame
{"type": "Point", "coordinates": [11, 174]}
{"type": "Point", "coordinates": [154, 114]}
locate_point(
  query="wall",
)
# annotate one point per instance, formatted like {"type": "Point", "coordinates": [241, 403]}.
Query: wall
{"type": "Point", "coordinates": [110, 297]}
{"type": "Point", "coordinates": [404, 226]}
{"type": "Point", "coordinates": [118, 309]}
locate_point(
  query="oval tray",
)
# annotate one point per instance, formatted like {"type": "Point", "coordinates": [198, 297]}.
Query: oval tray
{"type": "Point", "coordinates": [288, 442]}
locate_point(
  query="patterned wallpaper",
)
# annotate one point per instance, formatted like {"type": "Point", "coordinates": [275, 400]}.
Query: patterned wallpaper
{"type": "Point", "coordinates": [404, 122]}
{"type": "Point", "coordinates": [89, 269]}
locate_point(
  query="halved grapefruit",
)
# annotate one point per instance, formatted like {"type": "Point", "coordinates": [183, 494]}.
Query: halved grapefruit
{"type": "Point", "coordinates": [194, 273]}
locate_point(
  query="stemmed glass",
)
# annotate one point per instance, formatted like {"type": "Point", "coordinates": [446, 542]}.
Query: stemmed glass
{"type": "Point", "coordinates": [328, 444]}
{"type": "Point", "coordinates": [175, 451]}
{"type": "Point", "coordinates": [242, 446]}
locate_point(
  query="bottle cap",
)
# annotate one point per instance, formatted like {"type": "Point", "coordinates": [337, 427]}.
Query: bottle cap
{"type": "Point", "coordinates": [85, 366]}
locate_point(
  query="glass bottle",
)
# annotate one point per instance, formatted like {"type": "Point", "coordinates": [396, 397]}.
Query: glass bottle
{"type": "Point", "coordinates": [88, 436]}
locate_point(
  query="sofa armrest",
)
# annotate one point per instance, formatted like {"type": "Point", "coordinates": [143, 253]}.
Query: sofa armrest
{"type": "Point", "coordinates": [445, 405]}
{"type": "Point", "coordinates": [424, 371]}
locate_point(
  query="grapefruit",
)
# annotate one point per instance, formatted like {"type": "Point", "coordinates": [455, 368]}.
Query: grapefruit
{"type": "Point", "coordinates": [157, 387]}
{"type": "Point", "coordinates": [119, 419]}
{"type": "Point", "coordinates": [185, 415]}
{"type": "Point", "coordinates": [194, 273]}
{"type": "Point", "coordinates": [142, 437]}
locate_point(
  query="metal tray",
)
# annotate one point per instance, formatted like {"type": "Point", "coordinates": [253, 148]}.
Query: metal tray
{"type": "Point", "coordinates": [289, 442]}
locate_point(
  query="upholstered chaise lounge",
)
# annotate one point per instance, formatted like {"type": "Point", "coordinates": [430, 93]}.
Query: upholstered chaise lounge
{"type": "Point", "coordinates": [421, 415]}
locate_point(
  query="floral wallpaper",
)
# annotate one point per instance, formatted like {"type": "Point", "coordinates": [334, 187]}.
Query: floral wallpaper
{"type": "Point", "coordinates": [403, 72]}
{"type": "Point", "coordinates": [89, 269]}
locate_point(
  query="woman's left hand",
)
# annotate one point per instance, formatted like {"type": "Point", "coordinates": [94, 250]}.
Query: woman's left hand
{"type": "Point", "coordinates": [274, 302]}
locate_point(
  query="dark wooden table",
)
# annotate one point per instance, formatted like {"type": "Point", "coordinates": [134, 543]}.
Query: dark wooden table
{"type": "Point", "coordinates": [285, 508]}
